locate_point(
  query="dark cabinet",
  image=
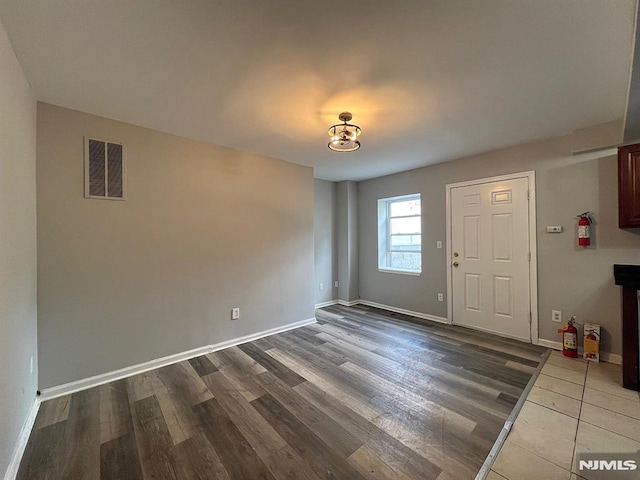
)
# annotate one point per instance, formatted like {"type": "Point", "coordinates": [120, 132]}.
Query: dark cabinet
{"type": "Point", "coordinates": [629, 186]}
{"type": "Point", "coordinates": [628, 277]}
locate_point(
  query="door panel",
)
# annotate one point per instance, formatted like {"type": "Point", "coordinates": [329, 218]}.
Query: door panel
{"type": "Point", "coordinates": [472, 292]}
{"type": "Point", "coordinates": [490, 235]}
{"type": "Point", "coordinates": [501, 235]}
{"type": "Point", "coordinates": [472, 238]}
{"type": "Point", "coordinates": [503, 296]}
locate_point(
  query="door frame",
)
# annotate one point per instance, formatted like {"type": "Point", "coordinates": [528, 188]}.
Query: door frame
{"type": "Point", "coordinates": [533, 244]}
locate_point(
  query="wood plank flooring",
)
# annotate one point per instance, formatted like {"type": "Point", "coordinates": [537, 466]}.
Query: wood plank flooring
{"type": "Point", "coordinates": [362, 394]}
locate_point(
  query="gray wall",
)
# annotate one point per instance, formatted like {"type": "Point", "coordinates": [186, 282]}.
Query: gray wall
{"type": "Point", "coordinates": [574, 280]}
{"type": "Point", "coordinates": [348, 246]}
{"type": "Point", "coordinates": [325, 240]}
{"type": "Point", "coordinates": [204, 229]}
{"type": "Point", "coordinates": [17, 250]}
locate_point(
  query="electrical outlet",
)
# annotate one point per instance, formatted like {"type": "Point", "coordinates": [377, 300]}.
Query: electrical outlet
{"type": "Point", "coordinates": [556, 316]}
{"type": "Point", "coordinates": [335, 284]}
{"type": "Point", "coordinates": [235, 313]}
{"type": "Point", "coordinates": [441, 297]}
{"type": "Point", "coordinates": [439, 244]}
{"type": "Point", "coordinates": [321, 286]}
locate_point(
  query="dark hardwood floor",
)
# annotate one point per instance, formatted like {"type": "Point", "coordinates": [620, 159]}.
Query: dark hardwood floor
{"type": "Point", "coordinates": [362, 394]}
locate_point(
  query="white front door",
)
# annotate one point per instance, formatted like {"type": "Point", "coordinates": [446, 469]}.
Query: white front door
{"type": "Point", "coordinates": [491, 257]}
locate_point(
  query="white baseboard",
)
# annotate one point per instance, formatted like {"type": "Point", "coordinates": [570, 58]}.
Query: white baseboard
{"type": "Point", "coordinates": [101, 379]}
{"type": "Point", "coordinates": [265, 333]}
{"type": "Point", "coordinates": [369, 303]}
{"type": "Point", "coordinates": [611, 358]}
{"type": "Point", "coordinates": [349, 304]}
{"type": "Point", "coordinates": [549, 344]}
{"type": "Point", "coordinates": [96, 380]}
{"type": "Point", "coordinates": [425, 316]}
{"type": "Point", "coordinates": [604, 356]}
{"type": "Point", "coordinates": [326, 304]}
{"type": "Point", "coordinates": [21, 445]}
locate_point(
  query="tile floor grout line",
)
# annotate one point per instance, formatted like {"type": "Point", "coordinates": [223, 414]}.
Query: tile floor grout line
{"type": "Point", "coordinates": [610, 431]}
{"type": "Point", "coordinates": [563, 379]}
{"type": "Point", "coordinates": [609, 410]}
{"type": "Point", "coordinates": [549, 390]}
{"type": "Point", "coordinates": [575, 438]}
{"type": "Point", "coordinates": [608, 393]}
{"type": "Point", "coordinates": [557, 393]}
{"type": "Point", "coordinates": [540, 456]}
{"type": "Point", "coordinates": [508, 424]}
{"type": "Point", "coordinates": [552, 462]}
{"type": "Point", "coordinates": [551, 409]}
{"type": "Point", "coordinates": [611, 394]}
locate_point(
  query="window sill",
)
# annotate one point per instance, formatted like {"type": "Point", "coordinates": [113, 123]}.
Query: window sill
{"type": "Point", "coordinates": [413, 273]}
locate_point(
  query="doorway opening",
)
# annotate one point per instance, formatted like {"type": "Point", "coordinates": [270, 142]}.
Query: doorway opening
{"type": "Point", "coordinates": [492, 257]}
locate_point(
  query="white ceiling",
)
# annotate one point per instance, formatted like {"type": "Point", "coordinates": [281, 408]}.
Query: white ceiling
{"type": "Point", "coordinates": [428, 81]}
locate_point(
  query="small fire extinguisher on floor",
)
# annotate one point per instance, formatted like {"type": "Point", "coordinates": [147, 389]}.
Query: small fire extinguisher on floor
{"type": "Point", "coordinates": [584, 229]}
{"type": "Point", "coordinates": [569, 339]}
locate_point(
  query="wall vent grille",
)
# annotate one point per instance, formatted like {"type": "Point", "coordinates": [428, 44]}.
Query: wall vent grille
{"type": "Point", "coordinates": [105, 173]}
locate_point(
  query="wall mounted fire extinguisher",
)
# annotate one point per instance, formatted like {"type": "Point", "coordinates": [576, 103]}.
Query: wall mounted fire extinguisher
{"type": "Point", "coordinates": [569, 339]}
{"type": "Point", "coordinates": [584, 229]}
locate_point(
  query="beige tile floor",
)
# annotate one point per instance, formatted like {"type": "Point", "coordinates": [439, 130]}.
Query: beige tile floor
{"type": "Point", "coordinates": [574, 406]}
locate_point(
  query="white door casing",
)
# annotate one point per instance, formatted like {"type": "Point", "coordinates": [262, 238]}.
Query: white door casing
{"type": "Point", "coordinates": [491, 255]}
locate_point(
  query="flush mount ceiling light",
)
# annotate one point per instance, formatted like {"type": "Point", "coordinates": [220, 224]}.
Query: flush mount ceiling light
{"type": "Point", "coordinates": [344, 135]}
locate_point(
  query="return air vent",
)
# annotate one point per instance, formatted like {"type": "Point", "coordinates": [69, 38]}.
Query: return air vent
{"type": "Point", "coordinates": [105, 172]}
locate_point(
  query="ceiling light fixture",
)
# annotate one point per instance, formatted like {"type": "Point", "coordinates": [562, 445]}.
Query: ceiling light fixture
{"type": "Point", "coordinates": [344, 135]}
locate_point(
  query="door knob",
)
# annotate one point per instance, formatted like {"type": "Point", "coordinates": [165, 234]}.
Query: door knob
{"type": "Point", "coordinates": [455, 264]}
{"type": "Point", "coordinates": [455, 254]}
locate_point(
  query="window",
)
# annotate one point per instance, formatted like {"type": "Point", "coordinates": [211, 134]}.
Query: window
{"type": "Point", "coordinates": [400, 234]}
{"type": "Point", "coordinates": [104, 170]}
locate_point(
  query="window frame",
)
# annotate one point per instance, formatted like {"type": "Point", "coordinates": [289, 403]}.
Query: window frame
{"type": "Point", "coordinates": [384, 247]}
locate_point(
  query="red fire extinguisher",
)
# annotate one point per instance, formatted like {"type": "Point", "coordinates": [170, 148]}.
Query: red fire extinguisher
{"type": "Point", "coordinates": [584, 229]}
{"type": "Point", "coordinates": [569, 339]}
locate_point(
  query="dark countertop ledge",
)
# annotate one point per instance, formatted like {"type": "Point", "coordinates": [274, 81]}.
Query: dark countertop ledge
{"type": "Point", "coordinates": [627, 276]}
